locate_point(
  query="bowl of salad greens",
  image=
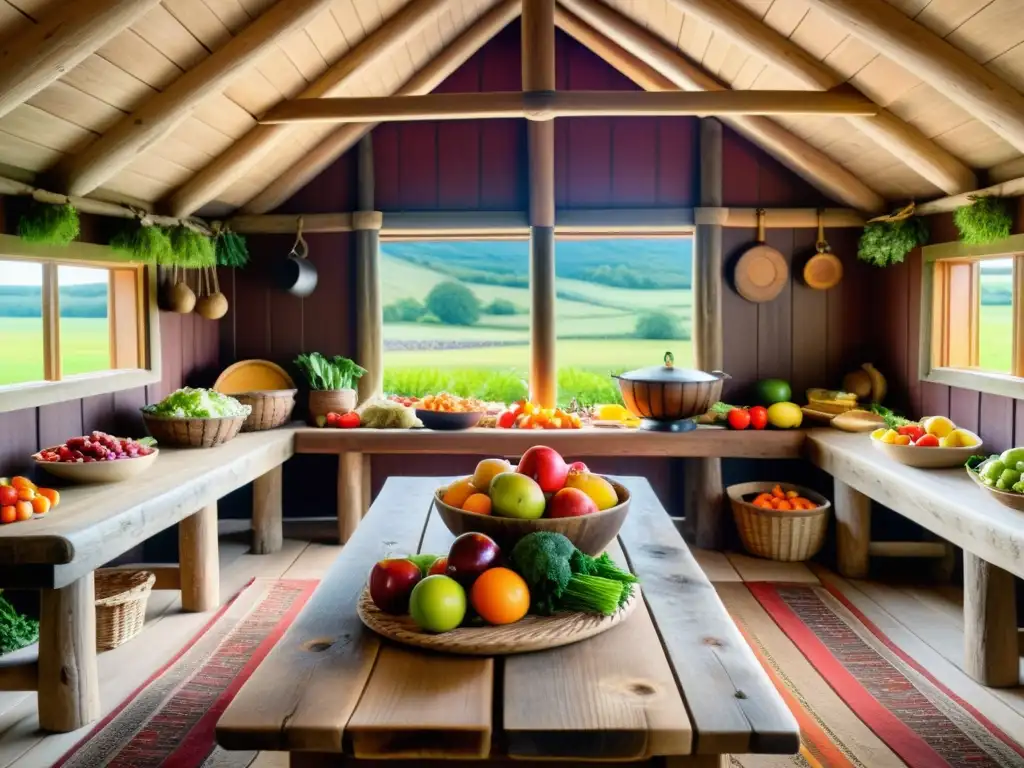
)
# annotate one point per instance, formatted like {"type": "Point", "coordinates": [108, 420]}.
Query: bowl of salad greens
{"type": "Point", "coordinates": [195, 418]}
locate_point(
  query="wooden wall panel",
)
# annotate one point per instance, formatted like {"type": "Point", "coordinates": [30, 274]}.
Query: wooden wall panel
{"type": "Point", "coordinates": [752, 178]}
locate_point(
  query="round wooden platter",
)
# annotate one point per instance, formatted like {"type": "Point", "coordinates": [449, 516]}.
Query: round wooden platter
{"type": "Point", "coordinates": [532, 633]}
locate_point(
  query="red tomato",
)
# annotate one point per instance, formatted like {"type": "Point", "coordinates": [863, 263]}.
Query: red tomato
{"type": "Point", "coordinates": [8, 495]}
{"type": "Point", "coordinates": [914, 431]}
{"type": "Point", "coordinates": [758, 417]}
{"type": "Point", "coordinates": [332, 419]}
{"type": "Point", "coordinates": [507, 419]}
{"type": "Point", "coordinates": [927, 441]}
{"type": "Point", "coordinates": [739, 418]}
{"type": "Point", "coordinates": [348, 420]}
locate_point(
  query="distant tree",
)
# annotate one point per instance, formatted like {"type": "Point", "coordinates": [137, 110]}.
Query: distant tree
{"type": "Point", "coordinates": [657, 325]}
{"type": "Point", "coordinates": [501, 307]}
{"type": "Point", "coordinates": [407, 310]}
{"type": "Point", "coordinates": [454, 304]}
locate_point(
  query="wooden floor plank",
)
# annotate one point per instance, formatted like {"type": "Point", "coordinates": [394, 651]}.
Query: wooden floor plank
{"type": "Point", "coordinates": [759, 569]}
{"type": "Point", "coordinates": [716, 565]}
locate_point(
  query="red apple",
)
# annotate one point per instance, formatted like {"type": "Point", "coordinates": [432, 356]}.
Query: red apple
{"type": "Point", "coordinates": [546, 466]}
{"type": "Point", "coordinates": [578, 466]}
{"type": "Point", "coordinates": [391, 582]}
{"type": "Point", "coordinates": [471, 554]}
{"type": "Point", "coordinates": [571, 502]}
{"type": "Point", "coordinates": [439, 567]}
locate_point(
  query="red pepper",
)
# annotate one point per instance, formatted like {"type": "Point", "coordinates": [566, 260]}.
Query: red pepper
{"type": "Point", "coordinates": [349, 420]}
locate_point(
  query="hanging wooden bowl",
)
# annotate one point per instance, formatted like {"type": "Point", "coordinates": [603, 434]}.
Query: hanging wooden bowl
{"type": "Point", "coordinates": [761, 272]}
{"type": "Point", "coordinates": [823, 271]}
{"type": "Point", "coordinates": [531, 633]}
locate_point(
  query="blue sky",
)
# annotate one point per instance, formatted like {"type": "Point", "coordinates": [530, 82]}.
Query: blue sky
{"type": "Point", "coordinates": [27, 273]}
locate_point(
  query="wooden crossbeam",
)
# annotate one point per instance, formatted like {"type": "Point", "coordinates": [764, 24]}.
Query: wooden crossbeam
{"type": "Point", "coordinates": [546, 105]}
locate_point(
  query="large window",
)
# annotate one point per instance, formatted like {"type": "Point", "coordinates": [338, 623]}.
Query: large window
{"type": "Point", "coordinates": [457, 314]}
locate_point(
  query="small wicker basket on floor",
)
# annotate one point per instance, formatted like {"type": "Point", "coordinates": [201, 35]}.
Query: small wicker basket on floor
{"type": "Point", "coordinates": [784, 535]}
{"type": "Point", "coordinates": [270, 409]}
{"type": "Point", "coordinates": [121, 598]}
{"type": "Point", "coordinates": [192, 433]}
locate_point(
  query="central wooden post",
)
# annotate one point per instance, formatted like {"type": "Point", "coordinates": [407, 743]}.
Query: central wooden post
{"type": "Point", "coordinates": [539, 75]}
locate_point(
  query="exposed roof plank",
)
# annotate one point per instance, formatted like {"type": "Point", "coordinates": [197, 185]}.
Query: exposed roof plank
{"type": "Point", "coordinates": [942, 65]}
{"type": "Point", "coordinates": [902, 140]}
{"type": "Point", "coordinates": [39, 55]}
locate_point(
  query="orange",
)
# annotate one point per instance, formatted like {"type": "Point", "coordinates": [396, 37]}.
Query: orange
{"type": "Point", "coordinates": [51, 494]}
{"type": "Point", "coordinates": [26, 494]}
{"type": "Point", "coordinates": [479, 503]}
{"type": "Point", "coordinates": [40, 505]}
{"type": "Point", "coordinates": [458, 492]}
{"type": "Point", "coordinates": [20, 482]}
{"type": "Point", "coordinates": [23, 510]}
{"type": "Point", "coordinates": [8, 514]}
{"type": "Point", "coordinates": [500, 596]}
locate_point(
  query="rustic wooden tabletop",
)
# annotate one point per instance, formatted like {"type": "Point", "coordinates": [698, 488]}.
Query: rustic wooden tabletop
{"type": "Point", "coordinates": [674, 680]}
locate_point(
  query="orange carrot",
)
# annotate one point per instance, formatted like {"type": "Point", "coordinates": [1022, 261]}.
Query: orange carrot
{"type": "Point", "coordinates": [784, 504]}
{"type": "Point", "coordinates": [777, 492]}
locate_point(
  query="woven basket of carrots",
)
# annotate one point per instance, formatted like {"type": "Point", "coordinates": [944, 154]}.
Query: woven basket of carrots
{"type": "Point", "coordinates": [779, 521]}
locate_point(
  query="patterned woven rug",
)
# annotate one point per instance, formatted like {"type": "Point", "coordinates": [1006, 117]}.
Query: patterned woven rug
{"type": "Point", "coordinates": [859, 699]}
{"type": "Point", "coordinates": [169, 721]}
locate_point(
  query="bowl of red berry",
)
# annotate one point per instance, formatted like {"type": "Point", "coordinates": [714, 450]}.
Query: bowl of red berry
{"type": "Point", "coordinates": [98, 458]}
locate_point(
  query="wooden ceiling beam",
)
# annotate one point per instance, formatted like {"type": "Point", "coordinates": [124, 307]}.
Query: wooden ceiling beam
{"type": "Point", "coordinates": [953, 73]}
{"type": "Point", "coordinates": [249, 150]}
{"type": "Point", "coordinates": [903, 140]}
{"type": "Point", "coordinates": [546, 105]}
{"type": "Point", "coordinates": [72, 31]}
{"type": "Point", "coordinates": [595, 25]}
{"type": "Point", "coordinates": [164, 111]}
{"type": "Point", "coordinates": [1008, 188]}
{"type": "Point", "coordinates": [424, 81]}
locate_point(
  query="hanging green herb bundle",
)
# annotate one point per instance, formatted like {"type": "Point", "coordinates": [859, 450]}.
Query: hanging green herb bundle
{"type": "Point", "coordinates": [191, 249]}
{"type": "Point", "coordinates": [888, 239]}
{"type": "Point", "coordinates": [231, 249]}
{"type": "Point", "coordinates": [49, 224]}
{"type": "Point", "coordinates": [143, 242]}
{"type": "Point", "coordinates": [986, 220]}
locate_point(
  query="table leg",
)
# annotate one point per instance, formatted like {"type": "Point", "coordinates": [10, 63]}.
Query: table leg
{"type": "Point", "coordinates": [200, 561]}
{"type": "Point", "coordinates": [367, 484]}
{"type": "Point", "coordinates": [990, 624]}
{"type": "Point", "coordinates": [853, 530]}
{"type": "Point", "coordinates": [704, 501]}
{"type": "Point", "coordinates": [350, 494]}
{"type": "Point", "coordinates": [69, 686]}
{"type": "Point", "coordinates": [267, 536]}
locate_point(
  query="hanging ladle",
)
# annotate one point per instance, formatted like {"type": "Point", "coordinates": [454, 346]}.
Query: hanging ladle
{"type": "Point", "coordinates": [297, 274]}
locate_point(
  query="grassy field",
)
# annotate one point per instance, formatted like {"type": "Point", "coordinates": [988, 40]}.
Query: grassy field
{"type": "Point", "coordinates": [995, 350]}
{"type": "Point", "coordinates": [84, 347]}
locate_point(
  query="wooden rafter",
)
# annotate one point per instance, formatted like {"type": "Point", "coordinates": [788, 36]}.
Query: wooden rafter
{"type": "Point", "coordinates": [73, 30]}
{"type": "Point", "coordinates": [953, 73]}
{"type": "Point", "coordinates": [594, 25]}
{"type": "Point", "coordinates": [248, 151]}
{"type": "Point", "coordinates": [424, 81]}
{"type": "Point", "coordinates": [545, 105]}
{"type": "Point", "coordinates": [887, 130]}
{"type": "Point", "coordinates": [164, 111]}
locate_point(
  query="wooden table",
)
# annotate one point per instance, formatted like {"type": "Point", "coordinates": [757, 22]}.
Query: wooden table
{"type": "Point", "coordinates": [92, 525]}
{"type": "Point", "coordinates": [949, 504]}
{"type": "Point", "coordinates": [354, 447]}
{"type": "Point", "coordinates": [676, 682]}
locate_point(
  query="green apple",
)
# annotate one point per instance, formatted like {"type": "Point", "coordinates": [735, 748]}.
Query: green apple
{"type": "Point", "coordinates": [437, 603]}
{"type": "Point", "coordinates": [1011, 456]}
{"type": "Point", "coordinates": [516, 495]}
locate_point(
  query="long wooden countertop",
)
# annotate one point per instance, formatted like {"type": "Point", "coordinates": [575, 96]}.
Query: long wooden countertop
{"type": "Point", "coordinates": [701, 442]}
{"type": "Point", "coordinates": [93, 524]}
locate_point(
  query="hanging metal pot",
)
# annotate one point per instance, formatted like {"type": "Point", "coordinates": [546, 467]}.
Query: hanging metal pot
{"type": "Point", "coordinates": [297, 275]}
{"type": "Point", "coordinates": [823, 270]}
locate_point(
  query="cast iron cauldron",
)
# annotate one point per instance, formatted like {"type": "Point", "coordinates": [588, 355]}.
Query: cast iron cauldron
{"type": "Point", "coordinates": [668, 399]}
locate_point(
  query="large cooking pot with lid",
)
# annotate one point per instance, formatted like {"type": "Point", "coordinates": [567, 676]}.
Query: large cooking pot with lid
{"type": "Point", "coordinates": [668, 399]}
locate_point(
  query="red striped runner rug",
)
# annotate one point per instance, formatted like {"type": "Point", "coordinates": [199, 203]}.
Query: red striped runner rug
{"type": "Point", "coordinates": [169, 721]}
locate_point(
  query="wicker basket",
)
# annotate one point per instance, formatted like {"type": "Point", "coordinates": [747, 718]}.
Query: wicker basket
{"type": "Point", "coordinates": [324, 401]}
{"type": "Point", "coordinates": [192, 433]}
{"type": "Point", "coordinates": [270, 409]}
{"type": "Point", "coordinates": [121, 598]}
{"type": "Point", "coordinates": [784, 535]}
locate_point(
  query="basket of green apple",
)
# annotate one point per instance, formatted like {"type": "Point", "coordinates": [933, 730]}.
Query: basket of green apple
{"type": "Point", "coordinates": [1001, 476]}
{"type": "Point", "coordinates": [542, 493]}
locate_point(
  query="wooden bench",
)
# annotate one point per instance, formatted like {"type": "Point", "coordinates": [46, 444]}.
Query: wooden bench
{"type": "Point", "coordinates": [947, 503]}
{"type": "Point", "coordinates": [58, 554]}
{"type": "Point", "coordinates": [676, 680]}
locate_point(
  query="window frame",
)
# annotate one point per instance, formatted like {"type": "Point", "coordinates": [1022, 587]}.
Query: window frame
{"type": "Point", "coordinates": [146, 335]}
{"type": "Point", "coordinates": [935, 278]}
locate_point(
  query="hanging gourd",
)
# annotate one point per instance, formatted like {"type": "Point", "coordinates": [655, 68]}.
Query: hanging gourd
{"type": "Point", "coordinates": [888, 239]}
{"type": "Point", "coordinates": [49, 224]}
{"type": "Point", "coordinates": [180, 297]}
{"type": "Point", "coordinates": [985, 221]}
{"type": "Point", "coordinates": [211, 304]}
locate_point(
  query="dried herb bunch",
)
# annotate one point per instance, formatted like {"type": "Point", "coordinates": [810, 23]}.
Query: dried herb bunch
{"type": "Point", "coordinates": [190, 249]}
{"type": "Point", "coordinates": [143, 242]}
{"type": "Point", "coordinates": [888, 239]}
{"type": "Point", "coordinates": [986, 220]}
{"type": "Point", "coordinates": [231, 249]}
{"type": "Point", "coordinates": [49, 224]}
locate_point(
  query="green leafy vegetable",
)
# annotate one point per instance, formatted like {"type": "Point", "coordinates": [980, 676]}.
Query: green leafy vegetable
{"type": "Point", "coordinates": [561, 578]}
{"type": "Point", "coordinates": [49, 224]}
{"type": "Point", "coordinates": [323, 373]}
{"type": "Point", "coordinates": [888, 242]}
{"type": "Point", "coordinates": [16, 631]}
{"type": "Point", "coordinates": [892, 419]}
{"type": "Point", "coordinates": [190, 249]}
{"type": "Point", "coordinates": [231, 249]}
{"type": "Point", "coordinates": [145, 243]}
{"type": "Point", "coordinates": [986, 220]}
{"type": "Point", "coordinates": [974, 462]}
{"type": "Point", "coordinates": [189, 403]}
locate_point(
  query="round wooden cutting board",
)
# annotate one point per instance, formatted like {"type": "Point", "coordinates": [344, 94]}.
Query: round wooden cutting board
{"type": "Point", "coordinates": [761, 274]}
{"type": "Point", "coordinates": [532, 633]}
{"type": "Point", "coordinates": [253, 376]}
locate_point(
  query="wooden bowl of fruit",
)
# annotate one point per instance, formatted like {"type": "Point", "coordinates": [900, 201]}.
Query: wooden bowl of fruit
{"type": "Point", "coordinates": [542, 494]}
{"type": "Point", "coordinates": [934, 443]}
{"type": "Point", "coordinates": [97, 458]}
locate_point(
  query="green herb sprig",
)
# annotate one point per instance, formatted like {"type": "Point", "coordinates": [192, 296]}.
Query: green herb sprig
{"type": "Point", "coordinates": [986, 220]}
{"type": "Point", "coordinates": [888, 242]}
{"type": "Point", "coordinates": [892, 419]}
{"type": "Point", "coordinates": [190, 249]}
{"type": "Point", "coordinates": [231, 249]}
{"type": "Point", "coordinates": [16, 631]}
{"type": "Point", "coordinates": [49, 224]}
{"type": "Point", "coordinates": [324, 373]}
{"type": "Point", "coordinates": [145, 243]}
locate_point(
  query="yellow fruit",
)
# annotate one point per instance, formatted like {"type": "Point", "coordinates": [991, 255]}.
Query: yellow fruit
{"type": "Point", "coordinates": [595, 486]}
{"type": "Point", "coordinates": [950, 441]}
{"type": "Point", "coordinates": [965, 438]}
{"type": "Point", "coordinates": [939, 426]}
{"type": "Point", "coordinates": [486, 470]}
{"type": "Point", "coordinates": [458, 492]}
{"type": "Point", "coordinates": [612, 412]}
{"type": "Point", "coordinates": [902, 440]}
{"type": "Point", "coordinates": [785, 415]}
{"type": "Point", "coordinates": [877, 434]}
{"type": "Point", "coordinates": [889, 436]}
